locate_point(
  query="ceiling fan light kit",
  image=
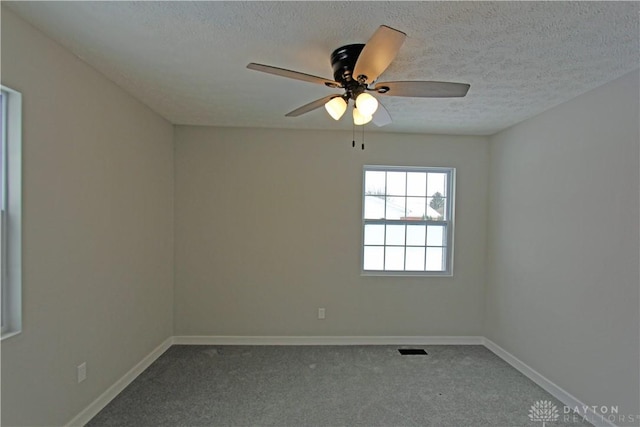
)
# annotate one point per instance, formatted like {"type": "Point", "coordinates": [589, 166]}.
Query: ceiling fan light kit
{"type": "Point", "coordinates": [367, 104]}
{"type": "Point", "coordinates": [360, 119]}
{"type": "Point", "coordinates": [355, 68]}
{"type": "Point", "coordinates": [336, 107]}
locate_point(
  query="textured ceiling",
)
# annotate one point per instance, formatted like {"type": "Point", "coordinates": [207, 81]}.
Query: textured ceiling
{"type": "Point", "coordinates": [187, 60]}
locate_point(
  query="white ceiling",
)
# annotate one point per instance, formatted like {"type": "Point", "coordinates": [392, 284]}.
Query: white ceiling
{"type": "Point", "coordinates": [187, 60]}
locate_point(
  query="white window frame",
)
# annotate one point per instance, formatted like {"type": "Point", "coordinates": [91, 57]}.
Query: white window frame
{"type": "Point", "coordinates": [448, 223]}
{"type": "Point", "coordinates": [11, 217]}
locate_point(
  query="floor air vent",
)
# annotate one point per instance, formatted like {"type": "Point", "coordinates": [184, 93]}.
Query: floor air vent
{"type": "Point", "coordinates": [411, 351]}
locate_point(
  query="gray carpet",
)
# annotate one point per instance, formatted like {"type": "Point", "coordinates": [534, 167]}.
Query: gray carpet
{"type": "Point", "coordinates": [328, 386]}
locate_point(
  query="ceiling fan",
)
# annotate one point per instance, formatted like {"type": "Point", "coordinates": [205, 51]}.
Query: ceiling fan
{"type": "Point", "coordinates": [356, 68]}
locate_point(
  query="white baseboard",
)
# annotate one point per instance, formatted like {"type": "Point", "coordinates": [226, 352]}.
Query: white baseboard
{"type": "Point", "coordinates": [103, 400]}
{"type": "Point", "coordinates": [556, 391]}
{"type": "Point", "coordinates": [326, 340]}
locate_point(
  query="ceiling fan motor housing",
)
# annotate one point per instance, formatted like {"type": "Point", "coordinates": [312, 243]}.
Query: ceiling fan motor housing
{"type": "Point", "coordinates": [343, 61]}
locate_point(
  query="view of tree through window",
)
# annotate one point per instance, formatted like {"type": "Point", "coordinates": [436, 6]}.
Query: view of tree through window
{"type": "Point", "coordinates": [407, 219]}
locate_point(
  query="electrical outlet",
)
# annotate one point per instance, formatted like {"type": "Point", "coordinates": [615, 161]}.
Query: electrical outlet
{"type": "Point", "coordinates": [82, 372]}
{"type": "Point", "coordinates": [321, 313]}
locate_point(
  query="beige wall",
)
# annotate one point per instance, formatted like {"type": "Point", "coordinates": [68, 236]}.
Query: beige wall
{"type": "Point", "coordinates": [97, 231]}
{"type": "Point", "coordinates": [562, 290]}
{"type": "Point", "coordinates": [268, 229]}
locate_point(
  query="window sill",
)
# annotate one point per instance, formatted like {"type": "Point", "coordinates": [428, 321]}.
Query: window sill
{"type": "Point", "coordinates": [9, 335]}
{"type": "Point", "coordinates": [404, 274]}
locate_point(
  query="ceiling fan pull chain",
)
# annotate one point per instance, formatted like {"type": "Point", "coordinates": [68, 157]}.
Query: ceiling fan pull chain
{"type": "Point", "coordinates": [363, 137]}
{"type": "Point", "coordinates": [353, 141]}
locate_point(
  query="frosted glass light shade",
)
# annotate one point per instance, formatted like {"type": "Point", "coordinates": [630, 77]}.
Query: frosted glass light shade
{"type": "Point", "coordinates": [367, 104]}
{"type": "Point", "coordinates": [336, 107]}
{"type": "Point", "coordinates": [360, 119]}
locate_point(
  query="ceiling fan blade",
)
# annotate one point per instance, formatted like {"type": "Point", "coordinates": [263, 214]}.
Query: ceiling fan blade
{"type": "Point", "coordinates": [378, 53]}
{"type": "Point", "coordinates": [419, 89]}
{"type": "Point", "coordinates": [310, 106]}
{"type": "Point", "coordinates": [381, 117]}
{"type": "Point", "coordinates": [292, 74]}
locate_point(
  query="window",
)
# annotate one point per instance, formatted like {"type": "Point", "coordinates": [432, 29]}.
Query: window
{"type": "Point", "coordinates": [11, 211]}
{"type": "Point", "coordinates": [407, 220]}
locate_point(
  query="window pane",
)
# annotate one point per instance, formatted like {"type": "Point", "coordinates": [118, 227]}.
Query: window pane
{"type": "Point", "coordinates": [374, 182]}
{"type": "Point", "coordinates": [395, 234]}
{"type": "Point", "coordinates": [435, 258]}
{"type": "Point", "coordinates": [416, 207]}
{"type": "Point", "coordinates": [416, 184]}
{"type": "Point", "coordinates": [435, 235]}
{"type": "Point", "coordinates": [373, 257]}
{"type": "Point", "coordinates": [436, 183]}
{"type": "Point", "coordinates": [396, 183]}
{"type": "Point", "coordinates": [3, 297]}
{"type": "Point", "coordinates": [10, 255]}
{"type": "Point", "coordinates": [437, 206]}
{"type": "Point", "coordinates": [374, 234]}
{"type": "Point", "coordinates": [415, 259]}
{"type": "Point", "coordinates": [2, 118]}
{"type": "Point", "coordinates": [373, 207]}
{"type": "Point", "coordinates": [395, 207]}
{"type": "Point", "coordinates": [394, 258]}
{"type": "Point", "coordinates": [415, 235]}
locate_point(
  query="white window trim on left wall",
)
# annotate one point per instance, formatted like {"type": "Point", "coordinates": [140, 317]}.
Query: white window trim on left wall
{"type": "Point", "coordinates": [11, 219]}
